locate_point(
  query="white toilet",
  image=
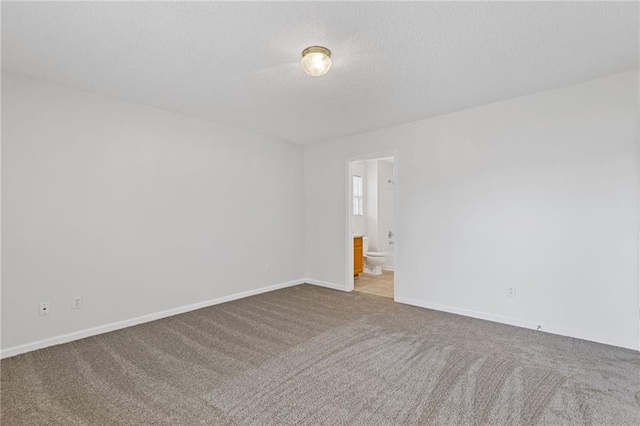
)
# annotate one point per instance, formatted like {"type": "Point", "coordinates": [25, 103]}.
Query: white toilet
{"type": "Point", "coordinates": [373, 260]}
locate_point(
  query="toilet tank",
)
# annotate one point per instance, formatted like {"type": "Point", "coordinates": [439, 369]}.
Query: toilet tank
{"type": "Point", "coordinates": [365, 244]}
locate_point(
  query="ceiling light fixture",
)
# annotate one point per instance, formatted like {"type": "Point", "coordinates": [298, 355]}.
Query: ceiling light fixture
{"type": "Point", "coordinates": [316, 60]}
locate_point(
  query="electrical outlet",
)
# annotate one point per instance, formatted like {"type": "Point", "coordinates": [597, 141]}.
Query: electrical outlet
{"type": "Point", "coordinates": [268, 267]}
{"type": "Point", "coordinates": [511, 292]}
{"type": "Point", "coordinates": [44, 309]}
{"type": "Point", "coordinates": [76, 302]}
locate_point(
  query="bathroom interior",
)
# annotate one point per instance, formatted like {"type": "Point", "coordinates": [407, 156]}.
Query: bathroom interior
{"type": "Point", "coordinates": [373, 226]}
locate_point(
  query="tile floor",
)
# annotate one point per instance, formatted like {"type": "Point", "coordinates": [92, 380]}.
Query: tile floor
{"type": "Point", "coordinates": [380, 285]}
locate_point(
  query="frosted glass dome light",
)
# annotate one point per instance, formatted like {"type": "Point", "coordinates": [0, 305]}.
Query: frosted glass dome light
{"type": "Point", "coordinates": [316, 60]}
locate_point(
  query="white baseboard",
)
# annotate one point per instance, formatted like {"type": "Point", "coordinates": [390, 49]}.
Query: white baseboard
{"type": "Point", "coordinates": [325, 284]}
{"type": "Point", "coordinates": [65, 338]}
{"type": "Point", "coordinates": [520, 323]}
{"type": "Point", "coordinates": [387, 268]}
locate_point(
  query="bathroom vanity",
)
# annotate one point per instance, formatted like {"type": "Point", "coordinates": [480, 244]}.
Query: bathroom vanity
{"type": "Point", "coordinates": [358, 267]}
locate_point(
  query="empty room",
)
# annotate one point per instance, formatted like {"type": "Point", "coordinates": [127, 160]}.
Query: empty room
{"type": "Point", "coordinates": [320, 213]}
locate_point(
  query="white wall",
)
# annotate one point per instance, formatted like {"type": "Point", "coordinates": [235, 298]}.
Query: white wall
{"type": "Point", "coordinates": [135, 209]}
{"type": "Point", "coordinates": [386, 200]}
{"type": "Point", "coordinates": [140, 210]}
{"type": "Point", "coordinates": [371, 204]}
{"type": "Point", "coordinates": [540, 192]}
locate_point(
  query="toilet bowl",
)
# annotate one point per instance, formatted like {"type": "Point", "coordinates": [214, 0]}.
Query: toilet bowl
{"type": "Point", "coordinates": [373, 260]}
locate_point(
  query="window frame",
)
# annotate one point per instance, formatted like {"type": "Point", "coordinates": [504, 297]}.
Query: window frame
{"type": "Point", "coordinates": [358, 195]}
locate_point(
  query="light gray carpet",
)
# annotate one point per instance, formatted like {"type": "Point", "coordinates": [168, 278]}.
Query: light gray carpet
{"type": "Point", "coordinates": [308, 355]}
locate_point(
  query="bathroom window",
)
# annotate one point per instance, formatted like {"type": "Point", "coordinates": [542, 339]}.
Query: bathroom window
{"type": "Point", "coordinates": [357, 196]}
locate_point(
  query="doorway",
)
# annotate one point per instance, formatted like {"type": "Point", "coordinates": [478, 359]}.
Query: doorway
{"type": "Point", "coordinates": [371, 225]}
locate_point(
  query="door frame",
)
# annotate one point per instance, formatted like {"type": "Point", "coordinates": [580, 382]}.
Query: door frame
{"type": "Point", "coordinates": [349, 216]}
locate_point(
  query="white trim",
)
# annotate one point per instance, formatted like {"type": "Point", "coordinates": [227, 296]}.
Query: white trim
{"type": "Point", "coordinates": [325, 284]}
{"type": "Point", "coordinates": [348, 233]}
{"type": "Point", "coordinates": [520, 323]}
{"type": "Point", "coordinates": [387, 268]}
{"type": "Point", "coordinates": [76, 335]}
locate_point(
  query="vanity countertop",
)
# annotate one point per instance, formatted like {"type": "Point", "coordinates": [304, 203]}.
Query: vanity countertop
{"type": "Point", "coordinates": [358, 236]}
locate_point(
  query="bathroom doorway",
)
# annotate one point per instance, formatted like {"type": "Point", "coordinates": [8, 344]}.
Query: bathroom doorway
{"type": "Point", "coordinates": [371, 225]}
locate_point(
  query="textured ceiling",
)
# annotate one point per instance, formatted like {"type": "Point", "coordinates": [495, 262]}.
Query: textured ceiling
{"type": "Point", "coordinates": [238, 63]}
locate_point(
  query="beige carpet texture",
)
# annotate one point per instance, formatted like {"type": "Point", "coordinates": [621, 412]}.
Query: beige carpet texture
{"type": "Point", "coordinates": [306, 355]}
